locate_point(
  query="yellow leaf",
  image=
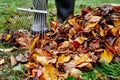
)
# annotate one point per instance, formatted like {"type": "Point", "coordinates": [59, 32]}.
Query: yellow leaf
{"type": "Point", "coordinates": [49, 73]}
{"type": "Point", "coordinates": [8, 36]}
{"type": "Point", "coordinates": [93, 21]}
{"type": "Point", "coordinates": [107, 55]}
{"type": "Point", "coordinates": [116, 22]}
{"type": "Point", "coordinates": [80, 40]}
{"type": "Point", "coordinates": [72, 20]}
{"type": "Point", "coordinates": [81, 59]}
{"type": "Point", "coordinates": [102, 33]}
{"type": "Point", "coordinates": [114, 30]}
{"type": "Point", "coordinates": [34, 42]}
{"type": "Point", "coordinates": [65, 44]}
{"type": "Point", "coordinates": [63, 58]}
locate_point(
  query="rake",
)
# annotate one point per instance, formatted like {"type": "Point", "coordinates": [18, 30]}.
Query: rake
{"type": "Point", "coordinates": [40, 11]}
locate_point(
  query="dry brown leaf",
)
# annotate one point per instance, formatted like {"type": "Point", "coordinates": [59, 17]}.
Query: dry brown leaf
{"type": "Point", "coordinates": [2, 61]}
{"type": "Point", "coordinates": [77, 27]}
{"type": "Point", "coordinates": [23, 41]}
{"type": "Point", "coordinates": [13, 60]}
{"type": "Point", "coordinates": [117, 46]}
{"type": "Point", "coordinates": [107, 55]}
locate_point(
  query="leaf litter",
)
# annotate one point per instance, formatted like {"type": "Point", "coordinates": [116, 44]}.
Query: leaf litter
{"type": "Point", "coordinates": [75, 46]}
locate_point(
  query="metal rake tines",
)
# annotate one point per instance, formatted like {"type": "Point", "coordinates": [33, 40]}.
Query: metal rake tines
{"type": "Point", "coordinates": [39, 24]}
{"type": "Point", "coordinates": [40, 11]}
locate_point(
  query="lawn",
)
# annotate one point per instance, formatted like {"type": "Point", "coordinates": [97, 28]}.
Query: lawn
{"type": "Point", "coordinates": [11, 18]}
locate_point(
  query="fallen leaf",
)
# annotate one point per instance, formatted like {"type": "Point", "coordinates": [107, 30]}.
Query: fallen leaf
{"type": "Point", "coordinates": [71, 20]}
{"type": "Point", "coordinates": [2, 61]}
{"type": "Point", "coordinates": [93, 22]}
{"type": "Point", "coordinates": [107, 55]}
{"type": "Point", "coordinates": [81, 59]}
{"type": "Point", "coordinates": [116, 22]}
{"type": "Point", "coordinates": [49, 73]}
{"type": "Point", "coordinates": [21, 58]}
{"type": "Point", "coordinates": [80, 40]}
{"type": "Point", "coordinates": [13, 60]}
{"type": "Point", "coordinates": [8, 36]}
{"type": "Point", "coordinates": [30, 65]}
{"type": "Point", "coordinates": [7, 50]}
{"type": "Point", "coordinates": [63, 58]}
{"type": "Point", "coordinates": [42, 60]}
{"type": "Point", "coordinates": [23, 41]}
{"type": "Point", "coordinates": [34, 42]}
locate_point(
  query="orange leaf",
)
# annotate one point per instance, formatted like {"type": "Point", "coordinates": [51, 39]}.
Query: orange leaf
{"type": "Point", "coordinates": [34, 42]}
{"type": "Point", "coordinates": [72, 20]}
{"type": "Point", "coordinates": [107, 55]}
{"type": "Point", "coordinates": [116, 22]}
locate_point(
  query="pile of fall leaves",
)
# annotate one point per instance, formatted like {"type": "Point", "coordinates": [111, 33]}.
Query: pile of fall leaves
{"type": "Point", "coordinates": [77, 45]}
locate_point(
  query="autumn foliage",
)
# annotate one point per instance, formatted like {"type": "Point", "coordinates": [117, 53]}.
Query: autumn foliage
{"type": "Point", "coordinates": [77, 45]}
